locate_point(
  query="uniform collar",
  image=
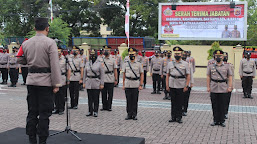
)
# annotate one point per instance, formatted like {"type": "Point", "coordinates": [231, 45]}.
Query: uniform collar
{"type": "Point", "coordinates": [221, 63]}
{"type": "Point", "coordinates": [40, 34]}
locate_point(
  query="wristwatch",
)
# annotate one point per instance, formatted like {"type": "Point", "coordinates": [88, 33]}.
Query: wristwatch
{"type": "Point", "coordinates": [141, 85]}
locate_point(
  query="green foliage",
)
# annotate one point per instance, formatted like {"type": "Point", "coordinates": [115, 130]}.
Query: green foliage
{"type": "Point", "coordinates": [2, 42]}
{"type": "Point", "coordinates": [214, 46]}
{"type": "Point", "coordinates": [124, 54]}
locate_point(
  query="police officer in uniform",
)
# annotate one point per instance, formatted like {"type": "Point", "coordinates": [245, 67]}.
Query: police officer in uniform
{"type": "Point", "coordinates": [132, 83]}
{"type": "Point", "coordinates": [219, 83]}
{"type": "Point", "coordinates": [211, 61]}
{"type": "Point", "coordinates": [155, 68]}
{"type": "Point", "coordinates": [13, 67]}
{"type": "Point", "coordinates": [101, 56]}
{"type": "Point", "coordinates": [110, 79]}
{"type": "Point", "coordinates": [93, 82]}
{"type": "Point", "coordinates": [138, 57]}
{"type": "Point", "coordinates": [62, 93]}
{"type": "Point", "coordinates": [44, 79]}
{"type": "Point", "coordinates": [4, 59]}
{"type": "Point", "coordinates": [84, 59]}
{"type": "Point", "coordinates": [225, 60]}
{"type": "Point", "coordinates": [24, 73]}
{"type": "Point", "coordinates": [119, 64]}
{"type": "Point", "coordinates": [145, 61]}
{"type": "Point", "coordinates": [163, 73]}
{"type": "Point", "coordinates": [76, 66]}
{"type": "Point", "coordinates": [247, 72]}
{"type": "Point", "coordinates": [190, 60]}
{"type": "Point", "coordinates": [69, 55]}
{"type": "Point", "coordinates": [177, 82]}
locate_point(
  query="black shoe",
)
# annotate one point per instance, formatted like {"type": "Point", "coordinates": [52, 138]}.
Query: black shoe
{"type": "Point", "coordinates": [109, 110]}
{"type": "Point", "coordinates": [11, 85]}
{"type": "Point", "coordinates": [14, 85]}
{"type": "Point", "coordinates": [70, 107]}
{"type": "Point", "coordinates": [42, 140]}
{"type": "Point", "coordinates": [184, 113]}
{"type": "Point", "coordinates": [169, 98]}
{"type": "Point", "coordinates": [223, 124]}
{"type": "Point", "coordinates": [226, 116]}
{"type": "Point", "coordinates": [165, 98]}
{"type": "Point", "coordinates": [172, 120]}
{"type": "Point", "coordinates": [128, 118]}
{"type": "Point", "coordinates": [102, 109]}
{"type": "Point", "coordinates": [76, 107]}
{"type": "Point", "coordinates": [32, 139]}
{"type": "Point", "coordinates": [135, 118]}
{"type": "Point", "coordinates": [154, 92]}
{"type": "Point", "coordinates": [158, 92]}
{"type": "Point", "coordinates": [95, 114]}
{"type": "Point", "coordinates": [61, 113]}
{"type": "Point", "coordinates": [250, 96]}
{"type": "Point", "coordinates": [180, 121]}
{"type": "Point", "coordinates": [89, 114]}
{"type": "Point", "coordinates": [23, 84]}
{"type": "Point", "coordinates": [214, 123]}
{"type": "Point", "coordinates": [55, 111]}
{"type": "Point", "coordinates": [245, 95]}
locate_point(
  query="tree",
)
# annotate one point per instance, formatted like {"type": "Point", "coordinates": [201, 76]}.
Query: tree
{"type": "Point", "coordinates": [214, 46]}
{"type": "Point", "coordinates": [58, 29]}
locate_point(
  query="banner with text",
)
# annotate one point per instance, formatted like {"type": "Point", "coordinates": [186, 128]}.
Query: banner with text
{"type": "Point", "coordinates": [199, 21]}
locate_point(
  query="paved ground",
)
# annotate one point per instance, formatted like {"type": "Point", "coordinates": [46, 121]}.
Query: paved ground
{"type": "Point", "coordinates": [153, 117]}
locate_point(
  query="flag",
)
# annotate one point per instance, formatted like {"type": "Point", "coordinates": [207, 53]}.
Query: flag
{"type": "Point", "coordinates": [51, 8]}
{"type": "Point", "coordinates": [20, 52]}
{"type": "Point", "coordinates": [127, 21]}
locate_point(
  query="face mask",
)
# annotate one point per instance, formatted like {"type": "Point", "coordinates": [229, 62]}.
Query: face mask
{"type": "Point", "coordinates": [13, 51]}
{"type": "Point", "coordinates": [101, 52]}
{"type": "Point", "coordinates": [177, 57]}
{"type": "Point", "coordinates": [248, 56]}
{"type": "Point", "coordinates": [225, 59]}
{"type": "Point", "coordinates": [93, 58]}
{"type": "Point", "coordinates": [131, 57]}
{"type": "Point", "coordinates": [106, 53]}
{"type": "Point", "coordinates": [184, 58]}
{"type": "Point", "coordinates": [143, 54]}
{"type": "Point", "coordinates": [4, 51]}
{"type": "Point", "coordinates": [81, 53]}
{"type": "Point", "coordinates": [75, 53]}
{"type": "Point", "coordinates": [168, 55]}
{"type": "Point", "coordinates": [157, 55]}
{"type": "Point", "coordinates": [218, 59]}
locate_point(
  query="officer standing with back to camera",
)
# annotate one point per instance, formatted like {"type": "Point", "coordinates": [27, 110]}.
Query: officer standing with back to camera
{"type": "Point", "coordinates": [190, 60]}
{"type": "Point", "coordinates": [119, 64]}
{"type": "Point", "coordinates": [93, 82]}
{"type": "Point", "coordinates": [225, 60]}
{"type": "Point", "coordinates": [219, 84]}
{"type": "Point", "coordinates": [65, 76]}
{"type": "Point", "coordinates": [13, 67]}
{"type": "Point", "coordinates": [84, 59]}
{"type": "Point", "coordinates": [145, 61]}
{"type": "Point", "coordinates": [110, 79]}
{"type": "Point", "coordinates": [4, 59]}
{"type": "Point", "coordinates": [163, 72]}
{"type": "Point", "coordinates": [177, 82]}
{"type": "Point", "coordinates": [76, 78]}
{"type": "Point", "coordinates": [155, 68]}
{"type": "Point", "coordinates": [44, 79]}
{"type": "Point", "coordinates": [132, 83]}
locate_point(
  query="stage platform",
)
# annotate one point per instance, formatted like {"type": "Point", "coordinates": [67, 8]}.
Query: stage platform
{"type": "Point", "coordinates": [18, 136]}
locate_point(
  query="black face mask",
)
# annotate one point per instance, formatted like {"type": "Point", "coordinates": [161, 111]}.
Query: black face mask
{"type": "Point", "coordinates": [101, 52]}
{"type": "Point", "coordinates": [132, 57]}
{"type": "Point", "coordinates": [225, 59]}
{"type": "Point", "coordinates": [157, 55]}
{"type": "Point", "coordinates": [248, 56]}
{"type": "Point", "coordinates": [218, 59]}
{"type": "Point", "coordinates": [13, 51]}
{"type": "Point", "coordinates": [81, 53]}
{"type": "Point", "coordinates": [184, 58]}
{"type": "Point", "coordinates": [93, 58]}
{"type": "Point", "coordinates": [143, 54]}
{"type": "Point", "coordinates": [4, 51]}
{"type": "Point", "coordinates": [75, 53]}
{"type": "Point", "coordinates": [106, 53]}
{"type": "Point", "coordinates": [177, 57]}
{"type": "Point", "coordinates": [168, 55]}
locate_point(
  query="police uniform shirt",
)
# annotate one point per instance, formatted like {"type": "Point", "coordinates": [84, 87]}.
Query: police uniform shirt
{"type": "Point", "coordinates": [145, 62]}
{"type": "Point", "coordinates": [70, 56]}
{"type": "Point", "coordinates": [178, 82]}
{"type": "Point", "coordinates": [98, 68]}
{"type": "Point", "coordinates": [100, 58]}
{"type": "Point", "coordinates": [138, 69]}
{"type": "Point", "coordinates": [12, 63]}
{"type": "Point", "coordinates": [191, 74]}
{"type": "Point", "coordinates": [211, 61]}
{"type": "Point", "coordinates": [111, 64]}
{"type": "Point", "coordinates": [4, 58]}
{"type": "Point", "coordinates": [191, 60]}
{"type": "Point", "coordinates": [156, 65]}
{"type": "Point", "coordinates": [118, 60]}
{"type": "Point", "coordinates": [164, 65]}
{"type": "Point", "coordinates": [41, 52]}
{"type": "Point", "coordinates": [247, 68]}
{"type": "Point", "coordinates": [225, 71]}
{"type": "Point", "coordinates": [76, 63]}
{"type": "Point", "coordinates": [139, 59]}
{"type": "Point", "coordinates": [84, 58]}
{"type": "Point", "coordinates": [233, 72]}
{"type": "Point", "coordinates": [63, 67]}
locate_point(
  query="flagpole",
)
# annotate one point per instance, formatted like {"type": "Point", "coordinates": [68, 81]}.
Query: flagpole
{"type": "Point", "coordinates": [127, 21]}
{"type": "Point", "coordinates": [51, 8]}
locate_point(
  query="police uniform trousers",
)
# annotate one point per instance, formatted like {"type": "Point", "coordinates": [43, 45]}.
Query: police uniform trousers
{"type": "Point", "coordinates": [14, 75]}
{"type": "Point", "coordinates": [186, 100]}
{"type": "Point", "coordinates": [40, 101]}
{"type": "Point", "coordinates": [145, 74]}
{"type": "Point", "coordinates": [177, 102]}
{"type": "Point", "coordinates": [218, 101]}
{"type": "Point", "coordinates": [4, 72]}
{"type": "Point", "coordinates": [74, 93]}
{"type": "Point", "coordinates": [132, 101]}
{"type": "Point", "coordinates": [164, 84]}
{"type": "Point", "coordinates": [156, 80]}
{"type": "Point", "coordinates": [227, 102]}
{"type": "Point", "coordinates": [118, 75]}
{"type": "Point", "coordinates": [93, 100]}
{"type": "Point", "coordinates": [60, 99]}
{"type": "Point", "coordinates": [247, 82]}
{"type": "Point", "coordinates": [24, 73]}
{"type": "Point", "coordinates": [107, 95]}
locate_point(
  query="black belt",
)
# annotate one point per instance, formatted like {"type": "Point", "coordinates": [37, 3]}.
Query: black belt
{"type": "Point", "coordinates": [4, 64]}
{"type": "Point", "coordinates": [12, 63]}
{"type": "Point", "coordinates": [144, 66]}
{"type": "Point", "coordinates": [156, 69]}
{"type": "Point", "coordinates": [93, 77]}
{"type": "Point", "coordinates": [129, 78]}
{"type": "Point", "coordinates": [176, 77]}
{"type": "Point", "coordinates": [108, 72]}
{"type": "Point", "coordinates": [76, 71]}
{"type": "Point", "coordinates": [248, 72]}
{"type": "Point", "coordinates": [39, 70]}
{"type": "Point", "coordinates": [218, 81]}
{"type": "Point", "coordinates": [64, 73]}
